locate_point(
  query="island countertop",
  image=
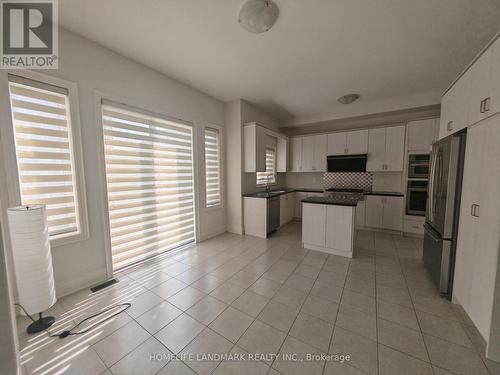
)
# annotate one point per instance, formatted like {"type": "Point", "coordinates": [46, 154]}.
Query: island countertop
{"type": "Point", "coordinates": [334, 200]}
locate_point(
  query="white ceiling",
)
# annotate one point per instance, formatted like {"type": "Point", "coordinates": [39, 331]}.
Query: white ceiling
{"type": "Point", "coordinates": [395, 53]}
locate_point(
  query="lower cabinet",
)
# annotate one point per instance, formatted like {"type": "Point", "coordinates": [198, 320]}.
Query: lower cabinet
{"type": "Point", "coordinates": [298, 201]}
{"type": "Point", "coordinates": [287, 208]}
{"type": "Point", "coordinates": [414, 226]}
{"type": "Point", "coordinates": [384, 212]}
{"type": "Point", "coordinates": [314, 224]}
{"type": "Point", "coordinates": [359, 216]}
{"type": "Point", "coordinates": [328, 228]}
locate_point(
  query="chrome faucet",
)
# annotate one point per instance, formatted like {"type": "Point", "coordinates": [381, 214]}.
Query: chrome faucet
{"type": "Point", "coordinates": [267, 184]}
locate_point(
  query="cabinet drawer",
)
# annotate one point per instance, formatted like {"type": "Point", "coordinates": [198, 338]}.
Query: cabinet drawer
{"type": "Point", "coordinates": [413, 226]}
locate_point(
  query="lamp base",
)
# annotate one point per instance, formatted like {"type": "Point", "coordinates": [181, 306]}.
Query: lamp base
{"type": "Point", "coordinates": [41, 324]}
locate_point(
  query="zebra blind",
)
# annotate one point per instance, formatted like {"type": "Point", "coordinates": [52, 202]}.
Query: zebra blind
{"type": "Point", "coordinates": [269, 176]}
{"type": "Point", "coordinates": [42, 132]}
{"type": "Point", "coordinates": [149, 174]}
{"type": "Point", "coordinates": [212, 168]}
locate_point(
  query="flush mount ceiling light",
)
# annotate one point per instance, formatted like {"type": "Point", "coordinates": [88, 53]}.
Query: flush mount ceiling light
{"type": "Point", "coordinates": [348, 99]}
{"type": "Point", "coordinates": [258, 16]}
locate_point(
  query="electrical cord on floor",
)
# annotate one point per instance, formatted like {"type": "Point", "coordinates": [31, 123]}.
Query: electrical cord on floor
{"type": "Point", "coordinates": [70, 332]}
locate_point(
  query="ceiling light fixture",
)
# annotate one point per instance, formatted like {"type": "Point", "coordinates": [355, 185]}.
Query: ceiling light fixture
{"type": "Point", "coordinates": [258, 16]}
{"type": "Point", "coordinates": [348, 99]}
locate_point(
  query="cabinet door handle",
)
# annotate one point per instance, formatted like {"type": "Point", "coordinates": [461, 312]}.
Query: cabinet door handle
{"type": "Point", "coordinates": [449, 126]}
{"type": "Point", "coordinates": [486, 105]}
{"type": "Point", "coordinates": [481, 107]}
{"type": "Point", "coordinates": [472, 210]}
{"type": "Point", "coordinates": [346, 150]}
{"type": "Point", "coordinates": [476, 210]}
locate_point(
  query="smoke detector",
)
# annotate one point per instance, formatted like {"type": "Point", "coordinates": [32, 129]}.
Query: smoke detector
{"type": "Point", "coordinates": [258, 16]}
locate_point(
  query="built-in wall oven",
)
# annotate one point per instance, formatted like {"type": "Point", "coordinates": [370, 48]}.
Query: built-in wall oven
{"type": "Point", "coordinates": [416, 197]}
{"type": "Point", "coordinates": [418, 166]}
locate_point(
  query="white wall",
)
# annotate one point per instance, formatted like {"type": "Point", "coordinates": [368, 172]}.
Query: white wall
{"type": "Point", "coordinates": [304, 180]}
{"type": "Point", "coordinates": [96, 69]}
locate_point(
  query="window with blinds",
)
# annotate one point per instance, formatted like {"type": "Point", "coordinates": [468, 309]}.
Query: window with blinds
{"type": "Point", "coordinates": [212, 168]}
{"type": "Point", "coordinates": [269, 176]}
{"type": "Point", "coordinates": [149, 173]}
{"type": "Point", "coordinates": [42, 132]}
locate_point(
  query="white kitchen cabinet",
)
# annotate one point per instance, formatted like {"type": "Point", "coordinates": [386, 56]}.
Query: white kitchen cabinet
{"type": "Point", "coordinates": [376, 150]}
{"type": "Point", "coordinates": [394, 148]}
{"type": "Point", "coordinates": [421, 134]}
{"type": "Point", "coordinates": [357, 142]}
{"type": "Point", "coordinates": [392, 216]}
{"type": "Point", "coordinates": [319, 153]}
{"type": "Point", "coordinates": [313, 156]}
{"type": "Point", "coordinates": [353, 142]}
{"type": "Point", "coordinates": [414, 225]}
{"type": "Point", "coordinates": [254, 148]}
{"type": "Point", "coordinates": [296, 153]}
{"type": "Point", "coordinates": [314, 224]}
{"type": "Point", "coordinates": [255, 216]}
{"type": "Point", "coordinates": [478, 234]}
{"type": "Point", "coordinates": [282, 155]}
{"type": "Point", "coordinates": [495, 78]}
{"type": "Point", "coordinates": [287, 208]}
{"type": "Point", "coordinates": [384, 212]}
{"type": "Point", "coordinates": [360, 214]}
{"type": "Point", "coordinates": [454, 107]}
{"type": "Point", "coordinates": [479, 93]}
{"type": "Point", "coordinates": [386, 149]}
{"type": "Point", "coordinates": [339, 222]}
{"type": "Point", "coordinates": [307, 160]}
{"type": "Point", "coordinates": [328, 228]}
{"type": "Point", "coordinates": [374, 211]}
{"type": "Point", "coordinates": [337, 143]}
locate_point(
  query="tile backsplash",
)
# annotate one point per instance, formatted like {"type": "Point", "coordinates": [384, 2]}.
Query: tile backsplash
{"type": "Point", "coordinates": [353, 180]}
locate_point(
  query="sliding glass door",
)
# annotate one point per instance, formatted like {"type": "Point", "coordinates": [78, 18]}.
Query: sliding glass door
{"type": "Point", "coordinates": [149, 175]}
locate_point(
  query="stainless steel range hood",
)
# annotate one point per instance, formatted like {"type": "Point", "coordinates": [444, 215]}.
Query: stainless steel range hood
{"type": "Point", "coordinates": [347, 163]}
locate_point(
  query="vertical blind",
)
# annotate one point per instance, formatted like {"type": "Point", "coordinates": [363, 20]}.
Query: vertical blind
{"type": "Point", "coordinates": [212, 168]}
{"type": "Point", "coordinates": [269, 176]}
{"type": "Point", "coordinates": [42, 132]}
{"type": "Point", "coordinates": [149, 174]}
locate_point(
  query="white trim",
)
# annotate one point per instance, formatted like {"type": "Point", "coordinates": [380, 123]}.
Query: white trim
{"type": "Point", "coordinates": [222, 158]}
{"type": "Point", "coordinates": [76, 149]}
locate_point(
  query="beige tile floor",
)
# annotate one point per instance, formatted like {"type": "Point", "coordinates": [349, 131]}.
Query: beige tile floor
{"type": "Point", "coordinates": [239, 295]}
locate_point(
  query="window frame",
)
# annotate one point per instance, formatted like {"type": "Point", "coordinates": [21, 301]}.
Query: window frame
{"type": "Point", "coordinates": [221, 165]}
{"type": "Point", "coordinates": [275, 173]}
{"type": "Point", "coordinates": [12, 172]}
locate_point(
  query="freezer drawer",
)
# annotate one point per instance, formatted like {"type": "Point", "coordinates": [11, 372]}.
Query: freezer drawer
{"type": "Point", "coordinates": [437, 258]}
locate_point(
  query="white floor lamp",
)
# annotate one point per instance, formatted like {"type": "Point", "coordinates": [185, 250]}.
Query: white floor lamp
{"type": "Point", "coordinates": [34, 275]}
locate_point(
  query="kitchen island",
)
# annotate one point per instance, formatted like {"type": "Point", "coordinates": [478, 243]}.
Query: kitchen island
{"type": "Point", "coordinates": [328, 224]}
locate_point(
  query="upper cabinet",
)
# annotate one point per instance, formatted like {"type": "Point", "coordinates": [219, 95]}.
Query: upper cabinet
{"type": "Point", "coordinates": [354, 142]}
{"type": "Point", "coordinates": [386, 149]}
{"type": "Point", "coordinates": [256, 139]}
{"type": "Point", "coordinates": [309, 153]}
{"type": "Point", "coordinates": [282, 155]}
{"type": "Point", "coordinates": [422, 133]}
{"type": "Point", "coordinates": [313, 153]}
{"type": "Point", "coordinates": [475, 95]}
{"type": "Point", "coordinates": [296, 152]}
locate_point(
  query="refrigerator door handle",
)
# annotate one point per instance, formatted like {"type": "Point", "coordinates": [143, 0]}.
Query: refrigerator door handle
{"type": "Point", "coordinates": [430, 197]}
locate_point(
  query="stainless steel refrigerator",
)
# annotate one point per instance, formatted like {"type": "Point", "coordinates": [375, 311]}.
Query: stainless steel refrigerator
{"type": "Point", "coordinates": [443, 209]}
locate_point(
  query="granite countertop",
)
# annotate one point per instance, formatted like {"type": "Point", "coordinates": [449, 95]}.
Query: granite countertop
{"type": "Point", "coordinates": [278, 192]}
{"type": "Point", "coordinates": [385, 193]}
{"type": "Point", "coordinates": [341, 200]}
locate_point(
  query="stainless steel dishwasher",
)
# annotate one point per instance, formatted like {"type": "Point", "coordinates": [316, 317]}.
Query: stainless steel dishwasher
{"type": "Point", "coordinates": [273, 214]}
